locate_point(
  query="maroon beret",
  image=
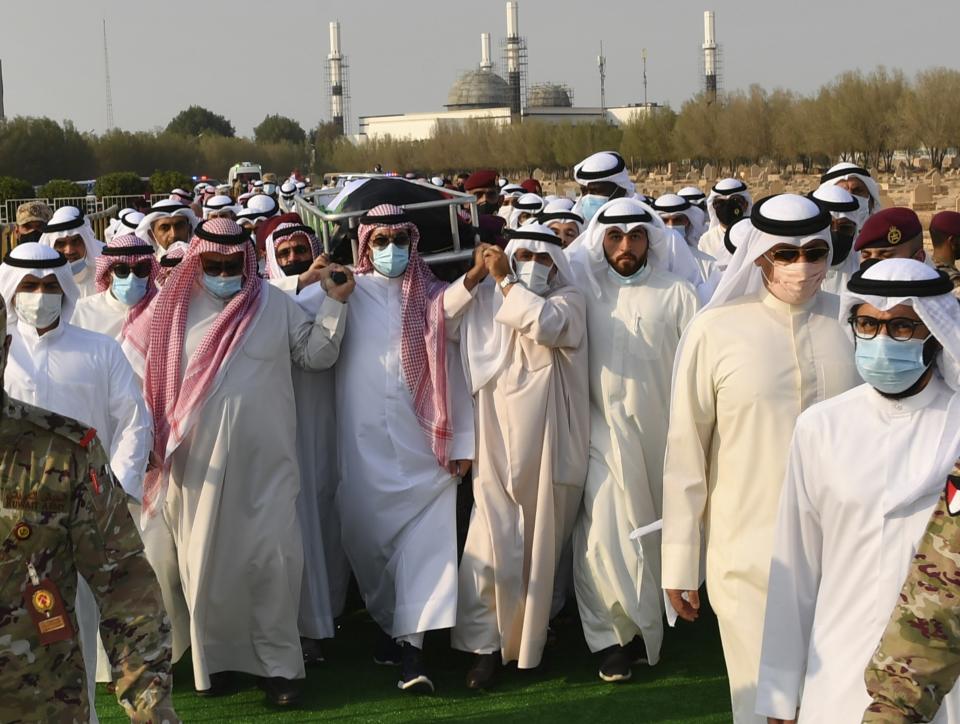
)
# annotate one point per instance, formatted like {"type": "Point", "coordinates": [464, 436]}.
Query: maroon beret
{"type": "Point", "coordinates": [946, 222]}
{"type": "Point", "coordinates": [889, 227]}
{"type": "Point", "coordinates": [482, 179]}
{"type": "Point", "coordinates": [532, 186]}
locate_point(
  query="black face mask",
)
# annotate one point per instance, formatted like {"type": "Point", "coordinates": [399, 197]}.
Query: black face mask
{"type": "Point", "coordinates": [297, 268]}
{"type": "Point", "coordinates": [30, 236]}
{"type": "Point", "coordinates": [728, 211]}
{"type": "Point", "coordinates": [488, 209]}
{"type": "Point", "coordinates": [842, 244]}
{"type": "Point", "coordinates": [867, 263]}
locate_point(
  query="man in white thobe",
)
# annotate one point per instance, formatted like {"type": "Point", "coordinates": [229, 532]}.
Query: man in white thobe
{"type": "Point", "coordinates": [728, 202]}
{"type": "Point", "coordinates": [70, 233]}
{"type": "Point", "coordinates": [858, 181]}
{"type": "Point", "coordinates": [228, 478]}
{"type": "Point", "coordinates": [405, 422]}
{"type": "Point", "coordinates": [84, 375]}
{"type": "Point", "coordinates": [682, 218]}
{"type": "Point", "coordinates": [846, 218]}
{"type": "Point", "coordinates": [292, 250]}
{"type": "Point", "coordinates": [524, 344]}
{"type": "Point", "coordinates": [865, 471]}
{"type": "Point", "coordinates": [169, 221]}
{"type": "Point", "coordinates": [748, 364]}
{"type": "Point", "coordinates": [635, 315]}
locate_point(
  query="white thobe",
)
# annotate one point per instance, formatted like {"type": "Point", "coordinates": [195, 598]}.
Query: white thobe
{"type": "Point", "coordinates": [745, 371]}
{"type": "Point", "coordinates": [634, 333]}
{"type": "Point", "coordinates": [532, 441]}
{"type": "Point", "coordinates": [397, 504]}
{"type": "Point", "coordinates": [84, 375]}
{"type": "Point", "coordinates": [326, 573]}
{"type": "Point", "coordinates": [86, 281]}
{"type": "Point", "coordinates": [712, 243]}
{"type": "Point", "coordinates": [864, 475]}
{"type": "Point", "coordinates": [234, 480]}
{"type": "Point", "coordinates": [101, 313]}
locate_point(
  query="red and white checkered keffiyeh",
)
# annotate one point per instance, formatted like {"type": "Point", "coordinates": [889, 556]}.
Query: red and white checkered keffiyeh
{"type": "Point", "coordinates": [284, 231]}
{"type": "Point", "coordinates": [176, 397]}
{"type": "Point", "coordinates": [423, 351]}
{"type": "Point", "coordinates": [106, 262]}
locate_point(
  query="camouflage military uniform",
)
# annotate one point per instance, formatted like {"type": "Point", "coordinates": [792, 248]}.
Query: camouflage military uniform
{"type": "Point", "coordinates": [918, 660]}
{"type": "Point", "coordinates": [62, 512]}
{"type": "Point", "coordinates": [951, 271]}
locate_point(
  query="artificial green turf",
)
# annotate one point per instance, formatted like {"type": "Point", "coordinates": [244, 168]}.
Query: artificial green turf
{"type": "Point", "coordinates": [688, 685]}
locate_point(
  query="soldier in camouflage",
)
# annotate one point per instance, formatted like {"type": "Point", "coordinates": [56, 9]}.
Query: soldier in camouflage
{"type": "Point", "coordinates": [918, 660]}
{"type": "Point", "coordinates": [63, 514]}
{"type": "Point", "coordinates": [945, 235]}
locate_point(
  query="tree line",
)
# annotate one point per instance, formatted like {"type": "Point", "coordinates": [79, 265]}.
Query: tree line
{"type": "Point", "coordinates": [862, 117]}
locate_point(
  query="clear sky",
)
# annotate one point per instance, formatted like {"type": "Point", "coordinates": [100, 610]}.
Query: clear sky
{"type": "Point", "coordinates": [247, 58]}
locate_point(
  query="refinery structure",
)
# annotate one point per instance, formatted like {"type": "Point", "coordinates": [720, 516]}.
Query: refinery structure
{"type": "Point", "coordinates": [483, 95]}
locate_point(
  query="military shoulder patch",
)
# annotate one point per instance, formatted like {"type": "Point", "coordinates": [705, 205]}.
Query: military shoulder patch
{"type": "Point", "coordinates": [951, 493]}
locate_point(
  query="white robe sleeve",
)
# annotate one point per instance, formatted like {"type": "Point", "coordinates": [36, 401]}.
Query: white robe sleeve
{"type": "Point", "coordinates": [456, 301]}
{"type": "Point", "coordinates": [555, 321]}
{"type": "Point", "coordinates": [792, 592]}
{"type": "Point", "coordinates": [132, 425]}
{"type": "Point", "coordinates": [693, 418]}
{"type": "Point", "coordinates": [315, 343]}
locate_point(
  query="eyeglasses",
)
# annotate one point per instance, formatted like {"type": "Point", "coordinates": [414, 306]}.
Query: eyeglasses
{"type": "Point", "coordinates": [789, 256]}
{"type": "Point", "coordinates": [122, 270]}
{"type": "Point", "coordinates": [381, 241]}
{"type": "Point", "coordinates": [289, 251]}
{"type": "Point", "coordinates": [900, 329]}
{"type": "Point", "coordinates": [227, 268]}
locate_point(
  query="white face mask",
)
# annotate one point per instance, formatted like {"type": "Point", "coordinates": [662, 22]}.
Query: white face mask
{"type": "Point", "coordinates": [534, 276]}
{"type": "Point", "coordinates": [38, 309]}
{"type": "Point", "coordinates": [796, 283]}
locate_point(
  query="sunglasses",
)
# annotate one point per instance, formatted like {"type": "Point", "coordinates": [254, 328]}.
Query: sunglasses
{"type": "Point", "coordinates": [789, 256]}
{"type": "Point", "coordinates": [141, 269]}
{"type": "Point", "coordinates": [229, 269]}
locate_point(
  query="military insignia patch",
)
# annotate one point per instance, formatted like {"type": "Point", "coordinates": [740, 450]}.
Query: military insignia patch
{"type": "Point", "coordinates": [22, 531]}
{"type": "Point", "coordinates": [951, 493]}
{"type": "Point", "coordinates": [894, 236]}
{"type": "Point", "coordinates": [48, 613]}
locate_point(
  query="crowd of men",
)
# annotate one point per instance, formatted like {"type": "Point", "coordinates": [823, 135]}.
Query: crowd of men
{"type": "Point", "coordinates": [209, 428]}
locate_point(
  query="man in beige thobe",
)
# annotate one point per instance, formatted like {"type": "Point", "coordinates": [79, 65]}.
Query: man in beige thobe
{"type": "Point", "coordinates": [766, 348]}
{"type": "Point", "coordinates": [524, 345]}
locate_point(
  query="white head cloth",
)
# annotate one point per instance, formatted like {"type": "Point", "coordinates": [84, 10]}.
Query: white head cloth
{"type": "Point", "coordinates": [67, 221]}
{"type": "Point", "coordinates": [842, 205]}
{"type": "Point", "coordinates": [218, 203]}
{"type": "Point", "coordinates": [845, 171]}
{"type": "Point", "coordinates": [940, 313]}
{"type": "Point", "coordinates": [742, 276]}
{"type": "Point", "coordinates": [665, 251]}
{"type": "Point", "coordinates": [560, 211]}
{"type": "Point", "coordinates": [40, 261]}
{"type": "Point", "coordinates": [486, 342]}
{"type": "Point", "coordinates": [723, 188]}
{"type": "Point", "coordinates": [698, 200]}
{"type": "Point", "coordinates": [605, 166]}
{"type": "Point", "coordinates": [559, 202]}
{"type": "Point", "coordinates": [526, 204]}
{"type": "Point", "coordinates": [161, 210]}
{"type": "Point", "coordinates": [512, 191]}
{"type": "Point", "coordinates": [669, 206]}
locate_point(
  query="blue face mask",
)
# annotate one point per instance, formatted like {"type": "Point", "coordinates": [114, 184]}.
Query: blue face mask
{"type": "Point", "coordinates": [590, 204]}
{"type": "Point", "coordinates": [222, 287]}
{"type": "Point", "coordinates": [888, 365]}
{"type": "Point", "coordinates": [634, 279]}
{"type": "Point", "coordinates": [129, 289]}
{"type": "Point", "coordinates": [391, 261]}
{"type": "Point", "coordinates": [78, 266]}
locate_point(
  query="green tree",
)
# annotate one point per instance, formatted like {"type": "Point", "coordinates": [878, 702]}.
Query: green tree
{"type": "Point", "coordinates": [931, 112]}
{"type": "Point", "coordinates": [163, 182]}
{"type": "Point", "coordinates": [197, 120]}
{"type": "Point", "coordinates": [39, 149]}
{"type": "Point", "coordinates": [59, 188]}
{"type": "Point", "coordinates": [277, 129]}
{"type": "Point", "coordinates": [15, 188]}
{"type": "Point", "coordinates": [120, 183]}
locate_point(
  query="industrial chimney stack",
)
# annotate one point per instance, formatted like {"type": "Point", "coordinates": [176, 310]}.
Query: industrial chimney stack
{"type": "Point", "coordinates": [516, 58]}
{"type": "Point", "coordinates": [335, 74]}
{"type": "Point", "coordinates": [711, 57]}
{"type": "Point", "coordinates": [485, 63]}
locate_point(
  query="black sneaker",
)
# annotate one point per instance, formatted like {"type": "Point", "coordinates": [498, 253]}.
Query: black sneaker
{"type": "Point", "coordinates": [483, 670]}
{"type": "Point", "coordinates": [616, 665]}
{"type": "Point", "coordinates": [636, 651]}
{"type": "Point", "coordinates": [413, 674]}
{"type": "Point", "coordinates": [386, 652]}
{"type": "Point", "coordinates": [312, 651]}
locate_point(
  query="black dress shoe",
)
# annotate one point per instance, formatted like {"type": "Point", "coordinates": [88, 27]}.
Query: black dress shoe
{"type": "Point", "coordinates": [636, 651]}
{"type": "Point", "coordinates": [483, 670]}
{"type": "Point", "coordinates": [220, 683]}
{"type": "Point", "coordinates": [615, 665]}
{"type": "Point", "coordinates": [413, 674]}
{"type": "Point", "coordinates": [280, 691]}
{"type": "Point", "coordinates": [312, 651]}
{"type": "Point", "coordinates": [386, 651]}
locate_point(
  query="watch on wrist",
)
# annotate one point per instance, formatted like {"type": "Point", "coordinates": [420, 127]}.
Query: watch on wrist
{"type": "Point", "coordinates": [508, 280]}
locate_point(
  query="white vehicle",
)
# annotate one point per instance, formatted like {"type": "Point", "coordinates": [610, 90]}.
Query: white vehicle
{"type": "Point", "coordinates": [246, 172]}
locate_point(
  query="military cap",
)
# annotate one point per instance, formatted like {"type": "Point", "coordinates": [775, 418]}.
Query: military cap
{"type": "Point", "coordinates": [482, 179]}
{"type": "Point", "coordinates": [889, 227]}
{"type": "Point", "coordinates": [33, 211]}
{"type": "Point", "coordinates": [947, 223]}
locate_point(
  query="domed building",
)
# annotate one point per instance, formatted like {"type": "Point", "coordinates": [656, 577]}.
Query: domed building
{"type": "Point", "coordinates": [478, 89]}
{"type": "Point", "coordinates": [549, 95]}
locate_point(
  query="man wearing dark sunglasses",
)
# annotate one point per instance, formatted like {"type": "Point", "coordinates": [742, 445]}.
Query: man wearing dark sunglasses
{"type": "Point", "coordinates": [865, 471]}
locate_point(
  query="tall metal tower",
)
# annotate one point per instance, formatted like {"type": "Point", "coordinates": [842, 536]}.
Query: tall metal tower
{"type": "Point", "coordinates": [336, 81]}
{"type": "Point", "coordinates": [644, 55]}
{"type": "Point", "coordinates": [106, 73]}
{"type": "Point", "coordinates": [602, 65]}
{"type": "Point", "coordinates": [515, 52]}
{"type": "Point", "coordinates": [2, 116]}
{"type": "Point", "coordinates": [710, 59]}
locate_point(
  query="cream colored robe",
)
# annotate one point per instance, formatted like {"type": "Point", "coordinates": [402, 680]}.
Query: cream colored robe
{"type": "Point", "coordinates": [532, 429]}
{"type": "Point", "coordinates": [234, 480]}
{"type": "Point", "coordinates": [746, 370]}
{"type": "Point", "coordinates": [634, 333]}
